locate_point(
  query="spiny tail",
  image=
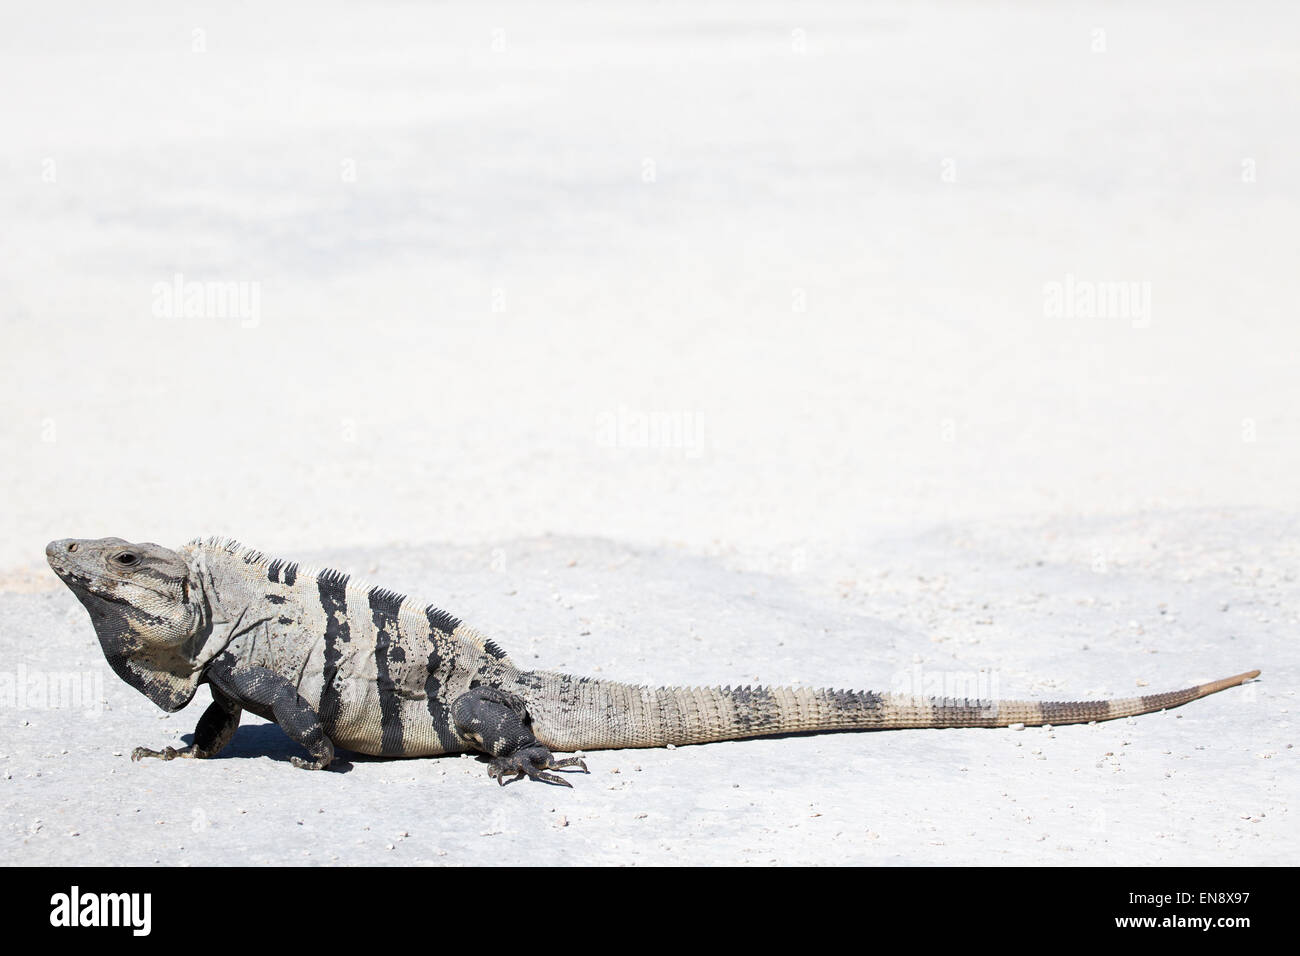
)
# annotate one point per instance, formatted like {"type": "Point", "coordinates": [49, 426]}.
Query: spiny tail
{"type": "Point", "coordinates": [584, 714]}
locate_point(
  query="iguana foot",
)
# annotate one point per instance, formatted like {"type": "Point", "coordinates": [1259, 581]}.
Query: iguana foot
{"type": "Point", "coordinates": [533, 762]}
{"type": "Point", "coordinates": [322, 753]}
{"type": "Point", "coordinates": [497, 723]}
{"type": "Point", "coordinates": [167, 753]}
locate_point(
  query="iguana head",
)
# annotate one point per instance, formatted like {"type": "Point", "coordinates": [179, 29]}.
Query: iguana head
{"type": "Point", "coordinates": [148, 609]}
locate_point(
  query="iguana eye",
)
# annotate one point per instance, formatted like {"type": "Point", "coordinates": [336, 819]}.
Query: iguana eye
{"type": "Point", "coordinates": [127, 557]}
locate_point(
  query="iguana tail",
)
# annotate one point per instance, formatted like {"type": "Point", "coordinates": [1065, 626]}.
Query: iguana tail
{"type": "Point", "coordinates": [571, 713]}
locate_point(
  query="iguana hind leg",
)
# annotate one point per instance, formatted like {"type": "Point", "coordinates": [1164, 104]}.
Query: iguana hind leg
{"type": "Point", "coordinates": [497, 723]}
{"type": "Point", "coordinates": [216, 727]}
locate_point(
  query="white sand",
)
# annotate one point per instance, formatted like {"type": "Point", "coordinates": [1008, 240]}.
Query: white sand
{"type": "Point", "coordinates": [753, 310]}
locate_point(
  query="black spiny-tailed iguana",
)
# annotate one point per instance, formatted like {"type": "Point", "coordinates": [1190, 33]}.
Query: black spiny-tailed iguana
{"type": "Point", "coordinates": [335, 662]}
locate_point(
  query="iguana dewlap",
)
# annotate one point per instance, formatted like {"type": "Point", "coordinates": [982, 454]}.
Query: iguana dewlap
{"type": "Point", "coordinates": [338, 663]}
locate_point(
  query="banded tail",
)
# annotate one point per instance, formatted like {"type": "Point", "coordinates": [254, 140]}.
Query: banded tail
{"type": "Point", "coordinates": [573, 713]}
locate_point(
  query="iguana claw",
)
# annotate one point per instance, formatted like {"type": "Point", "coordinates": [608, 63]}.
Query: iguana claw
{"type": "Point", "coordinates": [532, 763]}
{"type": "Point", "coordinates": [167, 753]}
{"type": "Point", "coordinates": [309, 764]}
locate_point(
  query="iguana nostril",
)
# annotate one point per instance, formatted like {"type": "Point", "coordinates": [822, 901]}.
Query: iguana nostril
{"type": "Point", "coordinates": [72, 546]}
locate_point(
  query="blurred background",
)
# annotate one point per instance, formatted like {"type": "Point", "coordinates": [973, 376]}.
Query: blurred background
{"type": "Point", "coordinates": [727, 276]}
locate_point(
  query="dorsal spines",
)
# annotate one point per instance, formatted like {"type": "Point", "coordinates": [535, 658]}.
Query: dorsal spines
{"type": "Point", "coordinates": [385, 596]}
{"type": "Point", "coordinates": [359, 592]}
{"type": "Point", "coordinates": [327, 576]}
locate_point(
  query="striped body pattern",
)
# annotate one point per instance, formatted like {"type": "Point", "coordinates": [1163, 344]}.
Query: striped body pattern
{"type": "Point", "coordinates": [379, 669]}
{"type": "Point", "coordinates": [337, 662]}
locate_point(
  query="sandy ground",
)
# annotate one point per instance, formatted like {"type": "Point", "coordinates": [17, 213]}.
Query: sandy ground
{"type": "Point", "coordinates": [865, 345]}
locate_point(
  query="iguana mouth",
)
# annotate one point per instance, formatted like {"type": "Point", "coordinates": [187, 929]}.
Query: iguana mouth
{"type": "Point", "coordinates": [75, 578]}
{"type": "Point", "coordinates": [68, 574]}
{"type": "Point", "coordinates": [54, 556]}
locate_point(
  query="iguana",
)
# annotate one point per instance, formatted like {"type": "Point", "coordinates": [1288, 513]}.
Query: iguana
{"type": "Point", "coordinates": [337, 663]}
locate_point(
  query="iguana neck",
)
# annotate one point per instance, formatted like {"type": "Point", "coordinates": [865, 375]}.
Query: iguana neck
{"type": "Point", "coordinates": [231, 605]}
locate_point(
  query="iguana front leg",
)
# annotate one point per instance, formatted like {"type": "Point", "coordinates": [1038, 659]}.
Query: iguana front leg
{"type": "Point", "coordinates": [261, 691]}
{"type": "Point", "coordinates": [216, 727]}
{"type": "Point", "coordinates": [497, 723]}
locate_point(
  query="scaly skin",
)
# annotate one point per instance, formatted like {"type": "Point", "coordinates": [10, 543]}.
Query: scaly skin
{"type": "Point", "coordinates": [337, 663]}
